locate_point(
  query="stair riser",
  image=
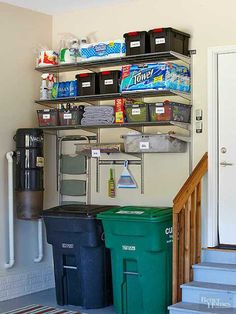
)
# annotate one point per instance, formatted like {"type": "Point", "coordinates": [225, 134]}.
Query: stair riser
{"type": "Point", "coordinates": [181, 312]}
{"type": "Point", "coordinates": [219, 257]}
{"type": "Point", "coordinates": [209, 297]}
{"type": "Point", "coordinates": [215, 276]}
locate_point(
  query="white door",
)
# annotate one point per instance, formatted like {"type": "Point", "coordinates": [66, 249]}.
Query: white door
{"type": "Point", "coordinates": [227, 147]}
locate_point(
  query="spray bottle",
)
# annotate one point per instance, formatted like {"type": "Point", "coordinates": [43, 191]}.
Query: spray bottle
{"type": "Point", "coordinates": [51, 81]}
{"type": "Point", "coordinates": [44, 87]}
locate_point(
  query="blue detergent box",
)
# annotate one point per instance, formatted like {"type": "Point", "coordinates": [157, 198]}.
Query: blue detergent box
{"type": "Point", "coordinates": [101, 50]}
{"type": "Point", "coordinates": [155, 76]}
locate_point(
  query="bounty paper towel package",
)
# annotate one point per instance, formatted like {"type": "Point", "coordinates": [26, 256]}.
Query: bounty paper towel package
{"type": "Point", "coordinates": [101, 50]}
{"type": "Point", "coordinates": [155, 76]}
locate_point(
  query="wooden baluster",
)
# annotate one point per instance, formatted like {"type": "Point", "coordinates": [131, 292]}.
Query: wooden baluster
{"type": "Point", "coordinates": [175, 256]}
{"type": "Point", "coordinates": [198, 223]}
{"type": "Point", "coordinates": [181, 250]}
{"type": "Point", "coordinates": [193, 232]}
{"type": "Point", "coordinates": [187, 259]}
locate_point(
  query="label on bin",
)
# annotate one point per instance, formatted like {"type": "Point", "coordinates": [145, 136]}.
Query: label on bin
{"type": "Point", "coordinates": [169, 234]}
{"type": "Point", "coordinates": [130, 212]}
{"type": "Point", "coordinates": [144, 145]}
{"type": "Point", "coordinates": [86, 84]}
{"type": "Point", "coordinates": [134, 44]}
{"type": "Point", "coordinates": [67, 245]}
{"type": "Point", "coordinates": [128, 248]}
{"type": "Point", "coordinates": [159, 41]}
{"type": "Point", "coordinates": [136, 111]}
{"type": "Point", "coordinates": [67, 116]}
{"type": "Point", "coordinates": [108, 82]}
{"type": "Point", "coordinates": [40, 162]}
{"type": "Point", "coordinates": [96, 153]}
{"type": "Point", "coordinates": [46, 116]}
{"type": "Point", "coordinates": [160, 110]}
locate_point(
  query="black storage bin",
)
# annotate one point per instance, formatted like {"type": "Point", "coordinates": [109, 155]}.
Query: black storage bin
{"type": "Point", "coordinates": [82, 264]}
{"type": "Point", "coordinates": [168, 39]}
{"type": "Point", "coordinates": [137, 43]}
{"type": "Point", "coordinates": [109, 82]}
{"type": "Point", "coordinates": [87, 84]}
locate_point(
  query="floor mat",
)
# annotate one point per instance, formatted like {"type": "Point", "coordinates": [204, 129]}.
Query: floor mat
{"type": "Point", "coordinates": [40, 309]}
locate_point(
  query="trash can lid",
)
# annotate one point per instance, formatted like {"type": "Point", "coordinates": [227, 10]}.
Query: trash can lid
{"type": "Point", "coordinates": [75, 210]}
{"type": "Point", "coordinates": [134, 213]}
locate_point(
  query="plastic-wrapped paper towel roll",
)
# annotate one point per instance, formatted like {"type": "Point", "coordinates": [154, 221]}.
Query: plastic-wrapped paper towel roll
{"type": "Point", "coordinates": [47, 57]}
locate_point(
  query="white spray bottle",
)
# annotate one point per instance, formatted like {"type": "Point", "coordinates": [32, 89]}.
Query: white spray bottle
{"type": "Point", "coordinates": [44, 87]}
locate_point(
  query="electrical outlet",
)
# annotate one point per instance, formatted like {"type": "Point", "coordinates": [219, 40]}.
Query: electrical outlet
{"type": "Point", "coordinates": [198, 114]}
{"type": "Point", "coordinates": [198, 126]}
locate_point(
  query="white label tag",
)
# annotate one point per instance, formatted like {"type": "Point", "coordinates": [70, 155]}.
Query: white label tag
{"type": "Point", "coordinates": [40, 162]}
{"type": "Point", "coordinates": [96, 153]}
{"type": "Point", "coordinates": [128, 248]}
{"type": "Point", "coordinates": [46, 116]}
{"type": "Point", "coordinates": [86, 84]}
{"type": "Point", "coordinates": [144, 145]}
{"type": "Point", "coordinates": [136, 111]}
{"type": "Point", "coordinates": [160, 110]}
{"type": "Point", "coordinates": [130, 212]}
{"type": "Point", "coordinates": [108, 82]}
{"type": "Point", "coordinates": [67, 116]}
{"type": "Point", "coordinates": [159, 41]}
{"type": "Point", "coordinates": [134, 44]}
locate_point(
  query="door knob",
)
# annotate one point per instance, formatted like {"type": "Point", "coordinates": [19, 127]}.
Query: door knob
{"type": "Point", "coordinates": [224, 164]}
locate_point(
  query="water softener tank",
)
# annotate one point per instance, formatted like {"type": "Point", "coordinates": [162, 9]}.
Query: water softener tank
{"type": "Point", "coordinates": [29, 173]}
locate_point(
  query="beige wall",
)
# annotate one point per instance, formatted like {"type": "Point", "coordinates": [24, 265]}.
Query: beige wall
{"type": "Point", "coordinates": [21, 31]}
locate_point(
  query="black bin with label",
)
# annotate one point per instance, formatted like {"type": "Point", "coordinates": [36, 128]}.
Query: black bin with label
{"type": "Point", "coordinates": [82, 264]}
{"type": "Point", "coordinates": [168, 39]}
{"type": "Point", "coordinates": [137, 43]}
{"type": "Point", "coordinates": [109, 82]}
{"type": "Point", "coordinates": [87, 84]}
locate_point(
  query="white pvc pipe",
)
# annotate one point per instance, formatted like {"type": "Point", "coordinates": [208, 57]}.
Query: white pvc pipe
{"type": "Point", "coordinates": [40, 242]}
{"type": "Point", "coordinates": [11, 262]}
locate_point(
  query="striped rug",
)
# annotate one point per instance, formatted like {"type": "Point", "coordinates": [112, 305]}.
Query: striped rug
{"type": "Point", "coordinates": [40, 309]}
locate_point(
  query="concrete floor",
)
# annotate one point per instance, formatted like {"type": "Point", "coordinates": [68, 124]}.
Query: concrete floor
{"type": "Point", "coordinates": [47, 298]}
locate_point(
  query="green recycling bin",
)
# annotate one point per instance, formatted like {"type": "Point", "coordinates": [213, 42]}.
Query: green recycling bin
{"type": "Point", "coordinates": [140, 240]}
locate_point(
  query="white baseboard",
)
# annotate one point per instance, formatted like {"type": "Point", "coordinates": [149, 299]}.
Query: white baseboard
{"type": "Point", "coordinates": [27, 281]}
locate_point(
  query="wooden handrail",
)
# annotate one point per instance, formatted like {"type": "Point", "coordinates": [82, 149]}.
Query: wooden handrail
{"type": "Point", "coordinates": [187, 228]}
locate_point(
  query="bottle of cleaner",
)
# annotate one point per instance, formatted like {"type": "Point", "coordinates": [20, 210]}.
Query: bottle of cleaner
{"type": "Point", "coordinates": [51, 81]}
{"type": "Point", "coordinates": [44, 87]}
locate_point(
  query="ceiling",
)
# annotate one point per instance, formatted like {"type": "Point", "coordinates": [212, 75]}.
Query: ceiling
{"type": "Point", "coordinates": [58, 6]}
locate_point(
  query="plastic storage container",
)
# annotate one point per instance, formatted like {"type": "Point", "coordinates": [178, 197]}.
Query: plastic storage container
{"type": "Point", "coordinates": [140, 239]}
{"type": "Point", "coordinates": [71, 116]}
{"type": "Point", "coordinates": [81, 261]}
{"type": "Point", "coordinates": [153, 143]}
{"type": "Point", "coordinates": [136, 112]}
{"type": "Point", "coordinates": [87, 84]}
{"type": "Point", "coordinates": [170, 111]}
{"type": "Point", "coordinates": [166, 39]}
{"type": "Point", "coordinates": [109, 82]}
{"type": "Point", "coordinates": [137, 43]}
{"type": "Point", "coordinates": [48, 117]}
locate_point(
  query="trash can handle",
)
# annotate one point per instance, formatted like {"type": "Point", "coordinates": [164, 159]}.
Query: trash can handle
{"type": "Point", "coordinates": [69, 267]}
{"type": "Point", "coordinates": [103, 236]}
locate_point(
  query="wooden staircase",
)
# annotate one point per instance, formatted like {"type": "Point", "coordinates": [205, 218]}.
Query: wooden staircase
{"type": "Point", "coordinates": [187, 228]}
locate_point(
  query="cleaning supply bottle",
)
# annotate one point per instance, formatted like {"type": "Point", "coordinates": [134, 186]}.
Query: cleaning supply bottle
{"type": "Point", "coordinates": [50, 85]}
{"type": "Point", "coordinates": [111, 185]}
{"type": "Point", "coordinates": [44, 87]}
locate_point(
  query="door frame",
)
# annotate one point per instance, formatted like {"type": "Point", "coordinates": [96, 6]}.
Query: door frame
{"type": "Point", "coordinates": [213, 140]}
